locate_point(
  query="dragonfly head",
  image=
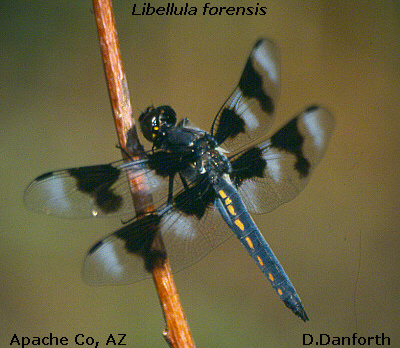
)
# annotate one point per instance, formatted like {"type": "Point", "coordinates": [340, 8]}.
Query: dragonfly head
{"type": "Point", "coordinates": [154, 121]}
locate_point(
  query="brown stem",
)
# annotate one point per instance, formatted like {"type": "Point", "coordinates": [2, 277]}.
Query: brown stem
{"type": "Point", "coordinates": [177, 333]}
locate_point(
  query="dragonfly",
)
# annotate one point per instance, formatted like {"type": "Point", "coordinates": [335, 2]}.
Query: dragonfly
{"type": "Point", "coordinates": [204, 184]}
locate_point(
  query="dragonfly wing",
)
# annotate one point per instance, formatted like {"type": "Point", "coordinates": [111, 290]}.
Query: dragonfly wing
{"type": "Point", "coordinates": [248, 112]}
{"type": "Point", "coordinates": [275, 171]}
{"type": "Point", "coordinates": [190, 229]}
{"type": "Point", "coordinates": [95, 191]}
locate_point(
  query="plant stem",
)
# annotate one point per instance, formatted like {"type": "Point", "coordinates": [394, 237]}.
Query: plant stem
{"type": "Point", "coordinates": [177, 333]}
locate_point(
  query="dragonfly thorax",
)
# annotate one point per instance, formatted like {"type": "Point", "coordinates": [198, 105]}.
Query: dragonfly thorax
{"type": "Point", "coordinates": [210, 160]}
{"type": "Point", "coordinates": [200, 146]}
{"type": "Point", "coordinates": [215, 164]}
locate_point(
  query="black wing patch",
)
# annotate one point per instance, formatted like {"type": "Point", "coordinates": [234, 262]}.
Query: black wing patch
{"type": "Point", "coordinates": [275, 171]}
{"type": "Point", "coordinates": [138, 238]}
{"type": "Point", "coordinates": [196, 199]}
{"type": "Point", "coordinates": [99, 187]}
{"type": "Point", "coordinates": [289, 139]}
{"type": "Point", "coordinates": [248, 112]}
{"type": "Point", "coordinates": [248, 165]}
{"type": "Point", "coordinates": [230, 124]}
{"type": "Point", "coordinates": [169, 163]}
{"type": "Point", "coordinates": [251, 82]}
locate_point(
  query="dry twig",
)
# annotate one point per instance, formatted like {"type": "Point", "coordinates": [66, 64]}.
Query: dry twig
{"type": "Point", "coordinates": [177, 333]}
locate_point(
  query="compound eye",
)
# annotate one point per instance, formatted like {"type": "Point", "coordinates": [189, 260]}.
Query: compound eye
{"type": "Point", "coordinates": [167, 116]}
{"type": "Point", "coordinates": [148, 120]}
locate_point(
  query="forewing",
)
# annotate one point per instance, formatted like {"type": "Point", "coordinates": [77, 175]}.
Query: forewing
{"type": "Point", "coordinates": [93, 191]}
{"type": "Point", "coordinates": [190, 229]}
{"type": "Point", "coordinates": [248, 112]}
{"type": "Point", "coordinates": [275, 171]}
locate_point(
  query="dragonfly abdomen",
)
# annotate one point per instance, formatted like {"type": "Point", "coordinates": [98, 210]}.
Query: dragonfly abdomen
{"type": "Point", "coordinates": [239, 220]}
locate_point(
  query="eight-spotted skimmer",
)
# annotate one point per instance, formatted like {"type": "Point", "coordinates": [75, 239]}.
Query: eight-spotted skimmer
{"type": "Point", "coordinates": [203, 184]}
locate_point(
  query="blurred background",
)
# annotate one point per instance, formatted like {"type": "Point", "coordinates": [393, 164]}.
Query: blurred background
{"type": "Point", "coordinates": [338, 241]}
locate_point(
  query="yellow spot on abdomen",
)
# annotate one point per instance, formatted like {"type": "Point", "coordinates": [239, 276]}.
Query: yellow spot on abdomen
{"type": "Point", "coordinates": [260, 261]}
{"type": "Point", "coordinates": [249, 242]}
{"type": "Point", "coordinates": [228, 201]}
{"type": "Point", "coordinates": [271, 277]}
{"type": "Point", "coordinates": [222, 193]}
{"type": "Point", "coordinates": [239, 224]}
{"type": "Point", "coordinates": [231, 209]}
{"type": "Point", "coordinates": [280, 292]}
